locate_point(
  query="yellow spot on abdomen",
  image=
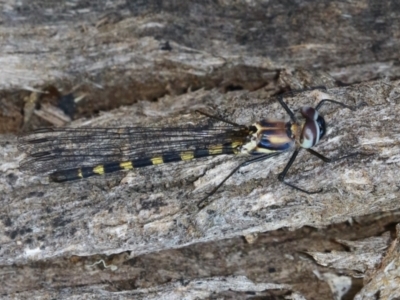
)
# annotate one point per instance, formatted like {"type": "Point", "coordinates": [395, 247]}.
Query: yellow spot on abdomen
{"type": "Point", "coordinates": [215, 149]}
{"type": "Point", "coordinates": [127, 165]}
{"type": "Point", "coordinates": [235, 146]}
{"type": "Point", "coordinates": [99, 170]}
{"type": "Point", "coordinates": [188, 155]}
{"type": "Point", "coordinates": [157, 160]}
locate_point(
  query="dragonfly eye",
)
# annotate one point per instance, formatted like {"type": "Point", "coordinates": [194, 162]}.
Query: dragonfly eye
{"type": "Point", "coordinates": [313, 129]}
{"type": "Point", "coordinates": [322, 126]}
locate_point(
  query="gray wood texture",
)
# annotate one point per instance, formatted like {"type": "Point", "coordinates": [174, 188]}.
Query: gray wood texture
{"type": "Point", "coordinates": [139, 235]}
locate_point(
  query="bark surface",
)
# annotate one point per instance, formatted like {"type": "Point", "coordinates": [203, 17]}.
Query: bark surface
{"type": "Point", "coordinates": [140, 235]}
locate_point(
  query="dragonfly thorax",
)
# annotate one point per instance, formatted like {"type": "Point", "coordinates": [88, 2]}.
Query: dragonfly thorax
{"type": "Point", "coordinates": [269, 136]}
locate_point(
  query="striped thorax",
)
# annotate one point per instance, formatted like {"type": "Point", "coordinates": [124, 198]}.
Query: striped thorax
{"type": "Point", "coordinates": [269, 136]}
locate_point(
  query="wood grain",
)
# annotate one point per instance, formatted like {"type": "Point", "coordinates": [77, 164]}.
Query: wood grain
{"type": "Point", "coordinates": [140, 235]}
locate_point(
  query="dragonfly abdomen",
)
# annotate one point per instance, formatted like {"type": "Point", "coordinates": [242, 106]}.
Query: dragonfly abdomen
{"type": "Point", "coordinates": [101, 169]}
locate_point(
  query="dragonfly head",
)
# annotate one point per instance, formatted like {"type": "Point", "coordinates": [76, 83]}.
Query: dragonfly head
{"type": "Point", "coordinates": [314, 127]}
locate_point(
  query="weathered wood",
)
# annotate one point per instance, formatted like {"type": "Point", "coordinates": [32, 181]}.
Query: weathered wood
{"type": "Point", "coordinates": [139, 238]}
{"type": "Point", "coordinates": [155, 209]}
{"type": "Point", "coordinates": [116, 53]}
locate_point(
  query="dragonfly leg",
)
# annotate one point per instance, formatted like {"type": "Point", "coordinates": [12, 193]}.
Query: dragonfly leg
{"type": "Point", "coordinates": [282, 175]}
{"type": "Point", "coordinates": [220, 119]}
{"type": "Point", "coordinates": [205, 201]}
{"type": "Point", "coordinates": [329, 160]}
{"type": "Point", "coordinates": [324, 101]}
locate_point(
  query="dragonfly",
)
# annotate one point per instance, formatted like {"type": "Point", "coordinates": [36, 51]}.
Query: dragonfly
{"type": "Point", "coordinates": [68, 154]}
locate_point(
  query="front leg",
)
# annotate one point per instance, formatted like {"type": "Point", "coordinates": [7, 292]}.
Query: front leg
{"type": "Point", "coordinates": [329, 160]}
